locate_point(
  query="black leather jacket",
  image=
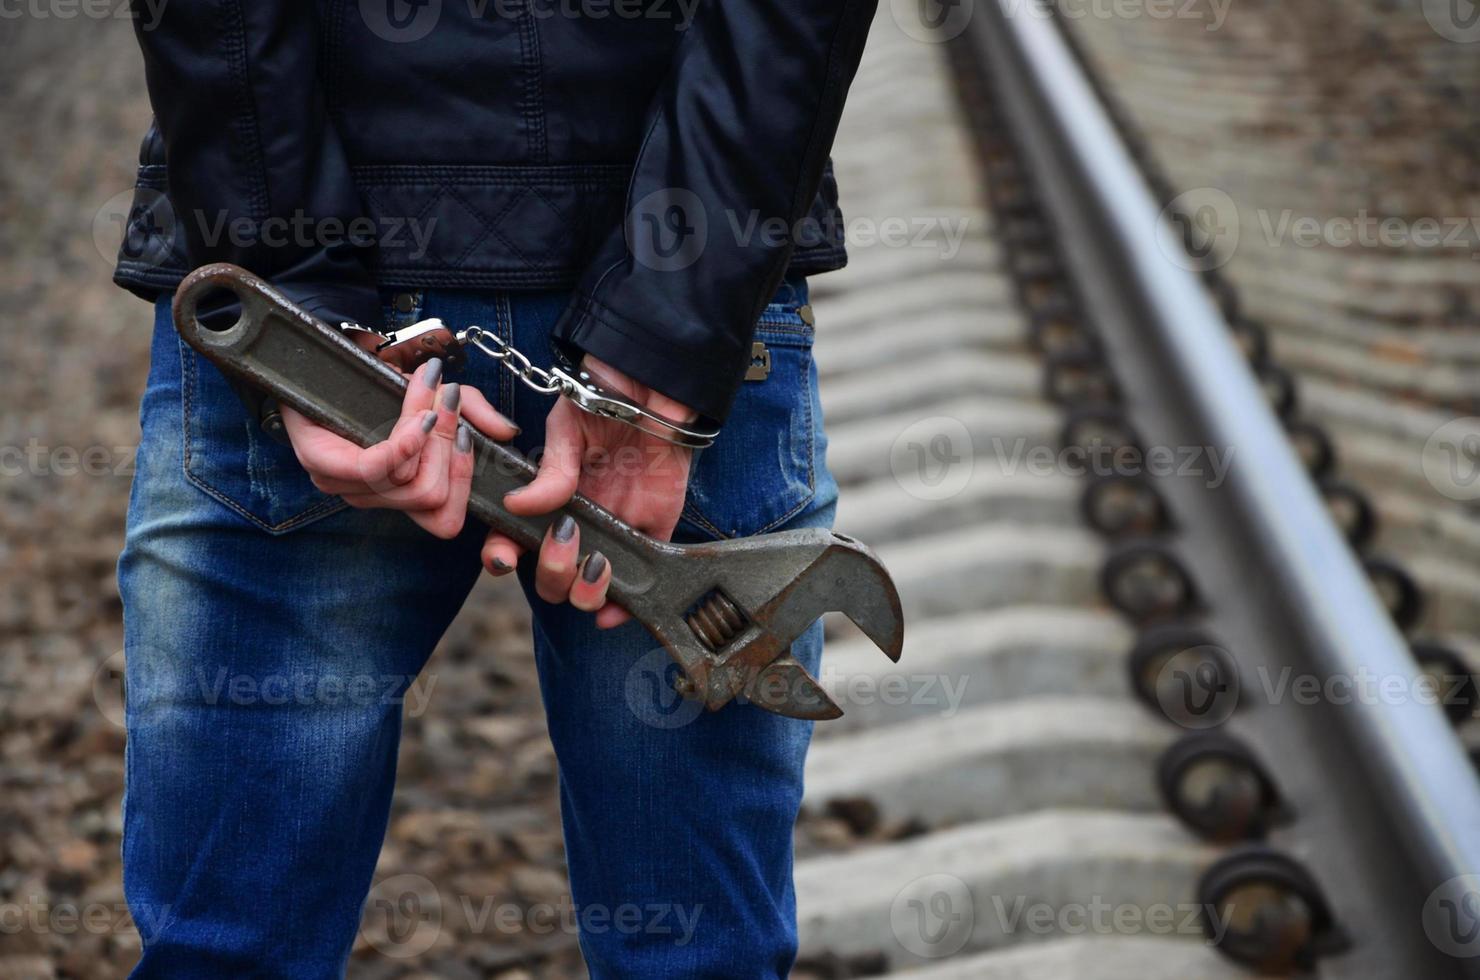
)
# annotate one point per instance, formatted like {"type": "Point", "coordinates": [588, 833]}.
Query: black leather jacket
{"type": "Point", "coordinates": [665, 159]}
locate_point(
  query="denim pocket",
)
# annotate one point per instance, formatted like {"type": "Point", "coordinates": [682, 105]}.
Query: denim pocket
{"type": "Point", "coordinates": [228, 456]}
{"type": "Point", "coordinates": [760, 472]}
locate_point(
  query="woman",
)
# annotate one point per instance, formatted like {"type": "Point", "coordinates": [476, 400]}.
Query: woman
{"type": "Point", "coordinates": [641, 187]}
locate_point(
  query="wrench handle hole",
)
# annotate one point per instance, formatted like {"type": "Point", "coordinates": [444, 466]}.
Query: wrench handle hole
{"type": "Point", "coordinates": [218, 308]}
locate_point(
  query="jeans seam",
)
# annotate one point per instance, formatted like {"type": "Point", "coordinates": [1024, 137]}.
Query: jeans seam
{"type": "Point", "coordinates": [504, 325]}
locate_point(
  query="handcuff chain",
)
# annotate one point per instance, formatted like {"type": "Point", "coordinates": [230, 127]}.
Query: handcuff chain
{"type": "Point", "coordinates": [514, 361]}
{"type": "Point", "coordinates": [582, 389]}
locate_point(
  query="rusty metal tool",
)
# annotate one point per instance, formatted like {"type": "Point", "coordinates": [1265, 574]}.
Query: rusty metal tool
{"type": "Point", "coordinates": [726, 611]}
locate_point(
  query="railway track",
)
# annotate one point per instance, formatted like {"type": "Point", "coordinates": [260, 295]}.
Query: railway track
{"type": "Point", "coordinates": [1086, 764]}
{"type": "Point", "coordinates": [1376, 343]}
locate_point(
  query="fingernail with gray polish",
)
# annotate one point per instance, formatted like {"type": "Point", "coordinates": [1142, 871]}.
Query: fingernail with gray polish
{"type": "Point", "coordinates": [464, 441]}
{"type": "Point", "coordinates": [428, 421]}
{"type": "Point", "coordinates": [500, 566]}
{"type": "Point", "coordinates": [451, 395]}
{"type": "Point", "coordinates": [565, 528]}
{"type": "Point", "coordinates": [595, 565]}
{"type": "Point", "coordinates": [433, 373]}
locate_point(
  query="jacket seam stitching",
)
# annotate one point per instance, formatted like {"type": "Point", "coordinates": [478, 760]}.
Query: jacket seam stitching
{"type": "Point", "coordinates": [333, 28]}
{"type": "Point", "coordinates": [441, 273]}
{"type": "Point", "coordinates": [829, 85]}
{"type": "Point", "coordinates": [534, 86]}
{"type": "Point", "coordinates": [489, 228]}
{"type": "Point", "coordinates": [411, 173]}
{"type": "Point", "coordinates": [247, 123]}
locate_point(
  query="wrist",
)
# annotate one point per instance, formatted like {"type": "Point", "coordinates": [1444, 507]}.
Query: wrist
{"type": "Point", "coordinates": [651, 399]}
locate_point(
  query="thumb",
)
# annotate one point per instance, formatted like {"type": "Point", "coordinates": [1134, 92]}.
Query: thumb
{"type": "Point", "coordinates": [560, 467]}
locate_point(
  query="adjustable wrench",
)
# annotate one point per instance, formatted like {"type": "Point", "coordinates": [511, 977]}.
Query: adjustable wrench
{"type": "Point", "coordinates": [727, 611]}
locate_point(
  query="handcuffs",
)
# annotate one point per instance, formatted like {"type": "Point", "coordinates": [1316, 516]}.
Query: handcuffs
{"type": "Point", "coordinates": [410, 346]}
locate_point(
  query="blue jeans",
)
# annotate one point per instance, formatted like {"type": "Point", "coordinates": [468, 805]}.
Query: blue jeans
{"type": "Point", "coordinates": [271, 631]}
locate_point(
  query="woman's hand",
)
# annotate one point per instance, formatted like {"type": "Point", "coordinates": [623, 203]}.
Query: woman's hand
{"type": "Point", "coordinates": [424, 467]}
{"type": "Point", "coordinates": [639, 478]}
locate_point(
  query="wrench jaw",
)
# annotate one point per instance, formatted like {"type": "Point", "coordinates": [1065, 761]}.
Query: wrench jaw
{"type": "Point", "coordinates": [745, 627]}
{"type": "Point", "coordinates": [787, 688]}
{"type": "Point", "coordinates": [846, 578]}
{"type": "Point", "coordinates": [781, 685]}
{"type": "Point", "coordinates": [871, 599]}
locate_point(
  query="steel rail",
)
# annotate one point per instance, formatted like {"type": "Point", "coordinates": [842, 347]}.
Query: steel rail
{"type": "Point", "coordinates": [1268, 544]}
